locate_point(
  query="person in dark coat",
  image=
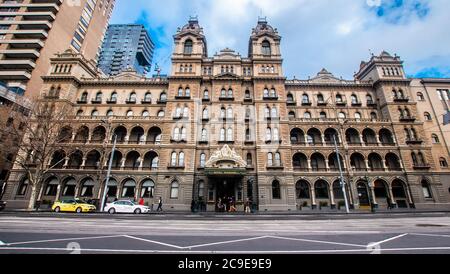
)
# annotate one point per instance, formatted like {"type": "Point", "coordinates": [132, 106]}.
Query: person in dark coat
{"type": "Point", "coordinates": [159, 204]}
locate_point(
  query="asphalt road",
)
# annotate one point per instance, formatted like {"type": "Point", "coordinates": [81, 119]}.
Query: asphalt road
{"type": "Point", "coordinates": [41, 233]}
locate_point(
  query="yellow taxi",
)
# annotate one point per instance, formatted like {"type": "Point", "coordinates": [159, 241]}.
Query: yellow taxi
{"type": "Point", "coordinates": [73, 205]}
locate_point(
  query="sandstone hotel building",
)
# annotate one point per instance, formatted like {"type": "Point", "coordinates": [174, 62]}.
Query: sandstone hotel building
{"type": "Point", "coordinates": [234, 126]}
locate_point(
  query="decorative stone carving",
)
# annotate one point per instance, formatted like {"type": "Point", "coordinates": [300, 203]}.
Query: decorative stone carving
{"type": "Point", "coordinates": [226, 154]}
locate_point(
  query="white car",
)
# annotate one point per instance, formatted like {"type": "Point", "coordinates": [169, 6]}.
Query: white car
{"type": "Point", "coordinates": [126, 207]}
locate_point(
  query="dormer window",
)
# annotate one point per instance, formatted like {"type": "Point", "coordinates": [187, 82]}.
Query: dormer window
{"type": "Point", "coordinates": [266, 48]}
{"type": "Point", "coordinates": [188, 46]}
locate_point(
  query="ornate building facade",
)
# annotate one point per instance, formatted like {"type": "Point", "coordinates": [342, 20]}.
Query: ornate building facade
{"type": "Point", "coordinates": [232, 126]}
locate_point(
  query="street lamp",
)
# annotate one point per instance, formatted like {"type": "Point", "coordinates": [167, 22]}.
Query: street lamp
{"type": "Point", "coordinates": [108, 175]}
{"type": "Point", "coordinates": [341, 175]}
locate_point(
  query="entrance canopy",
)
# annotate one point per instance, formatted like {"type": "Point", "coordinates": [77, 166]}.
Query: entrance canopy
{"type": "Point", "coordinates": [225, 162]}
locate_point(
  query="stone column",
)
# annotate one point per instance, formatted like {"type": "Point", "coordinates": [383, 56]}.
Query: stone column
{"type": "Point", "coordinates": [374, 199]}
{"type": "Point", "coordinates": [391, 197]}
{"type": "Point", "coordinates": [66, 162]}
{"type": "Point", "coordinates": [143, 139]}
{"type": "Point", "coordinates": [74, 134]}
{"type": "Point", "coordinates": [378, 139]}
{"type": "Point", "coordinates": [122, 164]}
{"type": "Point", "coordinates": [367, 164]}
{"type": "Point", "coordinates": [83, 163]}
{"type": "Point", "coordinates": [309, 165]}
{"type": "Point", "coordinates": [313, 197]}
{"type": "Point", "coordinates": [384, 165]}
{"type": "Point", "coordinates": [333, 202]}
{"type": "Point", "coordinates": [58, 192]}
{"type": "Point", "coordinates": [306, 139]}
{"type": "Point", "coordinates": [362, 140]}
{"type": "Point", "coordinates": [141, 163]}
{"type": "Point", "coordinates": [323, 139]}
{"type": "Point", "coordinates": [327, 164]}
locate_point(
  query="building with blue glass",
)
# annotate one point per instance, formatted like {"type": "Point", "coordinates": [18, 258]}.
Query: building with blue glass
{"type": "Point", "coordinates": [126, 47]}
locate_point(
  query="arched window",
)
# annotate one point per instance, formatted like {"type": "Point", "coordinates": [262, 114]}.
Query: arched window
{"type": "Point", "coordinates": [274, 112]}
{"type": "Point", "coordinates": [305, 99]}
{"type": "Point", "coordinates": [266, 92]}
{"type": "Point", "coordinates": [323, 115]}
{"type": "Point", "coordinates": [268, 134]}
{"type": "Point", "coordinates": [373, 116]}
{"type": "Point", "coordinates": [180, 92]}
{"type": "Point", "coordinates": [202, 160]}
{"type": "Point", "coordinates": [173, 159]}
{"type": "Point", "coordinates": [181, 159]}
{"type": "Point", "coordinates": [427, 116]}
{"type": "Point", "coordinates": [223, 93]}
{"type": "Point", "coordinates": [109, 113]}
{"type": "Point", "coordinates": [148, 97]}
{"type": "Point", "coordinates": [94, 113]}
{"type": "Point", "coordinates": [230, 93]}
{"type": "Point", "coordinates": [176, 134]}
{"type": "Point", "coordinates": [276, 190]}
{"type": "Point", "coordinates": [354, 99]}
{"type": "Point", "coordinates": [270, 159]}
{"type": "Point", "coordinates": [185, 112]}
{"type": "Point", "coordinates": [87, 187]}
{"type": "Point", "coordinates": [307, 115]}
{"type": "Point", "coordinates": [230, 134]}
{"type": "Point", "coordinates": [201, 190]}
{"type": "Point", "coordinates": [204, 137]}
{"type": "Point", "coordinates": [435, 139]}
{"type": "Point", "coordinates": [426, 190]}
{"type": "Point", "coordinates": [183, 133]}
{"type": "Point", "coordinates": [23, 186]}
{"type": "Point", "coordinates": [277, 159]}
{"type": "Point", "coordinates": [443, 162]}
{"type": "Point", "coordinates": [357, 116]}
{"type": "Point", "coordinates": [320, 99]}
{"type": "Point", "coordinates": [420, 96]}
{"type": "Point", "coordinates": [369, 99]}
{"type": "Point", "coordinates": [205, 114]}
{"type": "Point", "coordinates": [273, 93]}
{"type": "Point", "coordinates": [147, 189]}
{"type": "Point", "coordinates": [249, 159]}
{"type": "Point", "coordinates": [145, 113]}
{"type": "Point", "coordinates": [129, 189]}
{"type": "Point", "coordinates": [98, 97]}
{"type": "Point", "coordinates": [161, 113]}
{"type": "Point", "coordinates": [342, 115]}
{"type": "Point", "coordinates": [188, 46]}
{"type": "Point", "coordinates": [267, 112]}
{"type": "Point", "coordinates": [132, 97]}
{"type": "Point", "coordinates": [339, 98]}
{"type": "Point", "coordinates": [84, 97]}
{"type": "Point", "coordinates": [79, 113]}
{"type": "Point", "coordinates": [163, 97]}
{"type": "Point", "coordinates": [188, 92]}
{"type": "Point", "coordinates": [276, 135]}
{"type": "Point", "coordinates": [222, 135]}
{"type": "Point", "coordinates": [174, 189]}
{"type": "Point", "coordinates": [265, 48]}
{"type": "Point", "coordinates": [130, 113]}
{"type": "Point", "coordinates": [229, 113]}
{"type": "Point", "coordinates": [206, 94]}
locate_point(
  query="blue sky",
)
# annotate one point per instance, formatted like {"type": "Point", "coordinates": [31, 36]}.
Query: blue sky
{"type": "Point", "coordinates": [332, 34]}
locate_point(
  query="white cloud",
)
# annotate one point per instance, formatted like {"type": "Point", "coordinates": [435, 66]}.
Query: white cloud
{"type": "Point", "coordinates": [336, 34]}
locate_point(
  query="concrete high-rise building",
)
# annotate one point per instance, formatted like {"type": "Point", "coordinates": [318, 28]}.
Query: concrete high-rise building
{"type": "Point", "coordinates": [33, 31]}
{"type": "Point", "coordinates": [126, 47]}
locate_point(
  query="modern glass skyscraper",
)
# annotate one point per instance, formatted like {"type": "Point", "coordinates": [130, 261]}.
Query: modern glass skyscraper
{"type": "Point", "coordinates": [124, 47]}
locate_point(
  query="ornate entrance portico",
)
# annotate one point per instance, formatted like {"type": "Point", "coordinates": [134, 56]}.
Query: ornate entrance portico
{"type": "Point", "coordinates": [225, 171]}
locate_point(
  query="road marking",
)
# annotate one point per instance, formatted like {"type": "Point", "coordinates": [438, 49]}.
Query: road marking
{"type": "Point", "coordinates": [316, 241]}
{"type": "Point", "coordinates": [228, 242]}
{"type": "Point", "coordinates": [154, 242]}
{"type": "Point", "coordinates": [2, 243]}
{"type": "Point", "coordinates": [225, 252]}
{"type": "Point", "coordinates": [388, 240]}
{"type": "Point", "coordinates": [430, 235]}
{"type": "Point", "coordinates": [67, 239]}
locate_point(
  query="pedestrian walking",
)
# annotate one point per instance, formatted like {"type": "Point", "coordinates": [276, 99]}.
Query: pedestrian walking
{"type": "Point", "coordinates": [160, 203]}
{"type": "Point", "coordinates": [141, 201]}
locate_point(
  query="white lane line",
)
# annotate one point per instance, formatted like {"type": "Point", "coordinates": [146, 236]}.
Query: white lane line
{"type": "Point", "coordinates": [107, 251]}
{"type": "Point", "coordinates": [316, 241]}
{"type": "Point", "coordinates": [154, 242]}
{"type": "Point", "coordinates": [66, 239]}
{"type": "Point", "coordinates": [228, 242]}
{"type": "Point", "coordinates": [388, 240]}
{"type": "Point", "coordinates": [430, 235]}
{"type": "Point", "coordinates": [2, 243]}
